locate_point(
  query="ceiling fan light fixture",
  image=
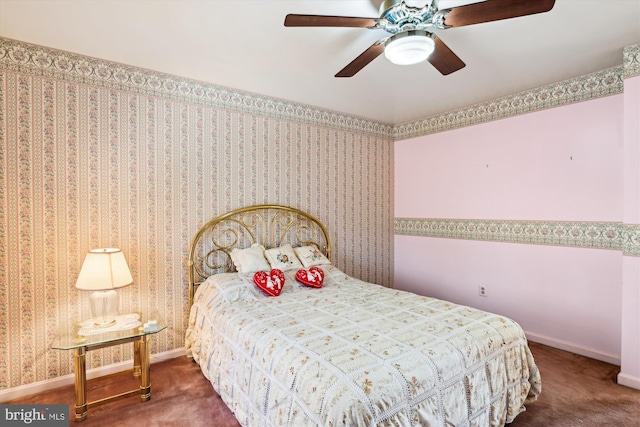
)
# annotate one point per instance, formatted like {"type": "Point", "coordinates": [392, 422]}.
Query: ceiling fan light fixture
{"type": "Point", "coordinates": [409, 47]}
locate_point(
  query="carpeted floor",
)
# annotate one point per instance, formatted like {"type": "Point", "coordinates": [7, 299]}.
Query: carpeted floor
{"type": "Point", "coordinates": [180, 396]}
{"type": "Point", "coordinates": [576, 391]}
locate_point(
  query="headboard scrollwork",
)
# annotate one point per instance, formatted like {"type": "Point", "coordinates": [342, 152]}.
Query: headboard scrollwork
{"type": "Point", "coordinates": [270, 225]}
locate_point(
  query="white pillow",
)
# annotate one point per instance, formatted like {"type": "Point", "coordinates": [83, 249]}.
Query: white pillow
{"type": "Point", "coordinates": [250, 260]}
{"type": "Point", "coordinates": [283, 258]}
{"type": "Point", "coordinates": [311, 255]}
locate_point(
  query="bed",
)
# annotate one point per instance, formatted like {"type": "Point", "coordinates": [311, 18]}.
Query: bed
{"type": "Point", "coordinates": [348, 353]}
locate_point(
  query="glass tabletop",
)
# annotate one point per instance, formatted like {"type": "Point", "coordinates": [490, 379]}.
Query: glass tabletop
{"type": "Point", "coordinates": [76, 334]}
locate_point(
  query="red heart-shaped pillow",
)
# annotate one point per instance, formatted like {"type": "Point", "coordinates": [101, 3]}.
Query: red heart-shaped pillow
{"type": "Point", "coordinates": [271, 283]}
{"type": "Point", "coordinates": [312, 277]}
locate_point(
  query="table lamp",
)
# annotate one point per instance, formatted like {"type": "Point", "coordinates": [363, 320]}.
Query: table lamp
{"type": "Point", "coordinates": [103, 271]}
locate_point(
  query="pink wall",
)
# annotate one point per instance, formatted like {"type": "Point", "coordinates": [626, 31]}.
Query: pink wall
{"type": "Point", "coordinates": [558, 164]}
{"type": "Point", "coordinates": [564, 297]}
{"type": "Point", "coordinates": [562, 164]}
{"type": "Point", "coordinates": [630, 372]}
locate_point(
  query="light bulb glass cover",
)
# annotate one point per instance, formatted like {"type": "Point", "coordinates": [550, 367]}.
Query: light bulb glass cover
{"type": "Point", "coordinates": [409, 47]}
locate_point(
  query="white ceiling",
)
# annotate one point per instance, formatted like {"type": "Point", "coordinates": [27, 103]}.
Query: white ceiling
{"type": "Point", "coordinates": [243, 44]}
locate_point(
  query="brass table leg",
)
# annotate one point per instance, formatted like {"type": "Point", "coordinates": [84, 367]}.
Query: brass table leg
{"type": "Point", "coordinates": [145, 384]}
{"type": "Point", "coordinates": [79, 365]}
{"type": "Point", "coordinates": [136, 359]}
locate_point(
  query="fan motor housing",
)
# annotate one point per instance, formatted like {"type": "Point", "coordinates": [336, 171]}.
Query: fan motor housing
{"type": "Point", "coordinates": [388, 4]}
{"type": "Point", "coordinates": [396, 16]}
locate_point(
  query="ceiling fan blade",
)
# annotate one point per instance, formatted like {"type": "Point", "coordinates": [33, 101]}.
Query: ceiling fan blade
{"type": "Point", "coordinates": [362, 60]}
{"type": "Point", "coordinates": [443, 58]}
{"type": "Point", "coordinates": [495, 10]}
{"type": "Point", "coordinates": [293, 20]}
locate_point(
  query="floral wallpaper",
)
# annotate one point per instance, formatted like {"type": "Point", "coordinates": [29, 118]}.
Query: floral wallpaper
{"type": "Point", "coordinates": [96, 154]}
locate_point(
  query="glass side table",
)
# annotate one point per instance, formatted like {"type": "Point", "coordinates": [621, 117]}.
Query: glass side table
{"type": "Point", "coordinates": [82, 337]}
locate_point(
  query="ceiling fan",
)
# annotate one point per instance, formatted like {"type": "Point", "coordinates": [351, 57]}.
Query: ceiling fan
{"type": "Point", "coordinates": [412, 38]}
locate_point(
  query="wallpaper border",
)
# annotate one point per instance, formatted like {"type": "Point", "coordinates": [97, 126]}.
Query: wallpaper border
{"type": "Point", "coordinates": [631, 61]}
{"type": "Point", "coordinates": [594, 235]}
{"type": "Point", "coordinates": [32, 59]}
{"type": "Point", "coordinates": [28, 58]}
{"type": "Point", "coordinates": [578, 89]}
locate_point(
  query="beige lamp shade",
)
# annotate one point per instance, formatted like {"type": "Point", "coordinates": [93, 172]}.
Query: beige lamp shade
{"type": "Point", "coordinates": [104, 269]}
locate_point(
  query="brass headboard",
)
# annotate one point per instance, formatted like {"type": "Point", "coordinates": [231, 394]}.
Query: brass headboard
{"type": "Point", "coordinates": [270, 225]}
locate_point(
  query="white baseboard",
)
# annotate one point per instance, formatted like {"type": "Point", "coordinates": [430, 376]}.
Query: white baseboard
{"type": "Point", "coordinates": [41, 386]}
{"type": "Point", "coordinates": [628, 380]}
{"type": "Point", "coordinates": [574, 348]}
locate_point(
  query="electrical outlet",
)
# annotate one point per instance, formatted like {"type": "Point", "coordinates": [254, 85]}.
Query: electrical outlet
{"type": "Point", "coordinates": [482, 291]}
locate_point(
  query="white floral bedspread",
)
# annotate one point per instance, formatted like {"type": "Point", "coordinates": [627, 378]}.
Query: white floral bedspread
{"type": "Point", "coordinates": [357, 354]}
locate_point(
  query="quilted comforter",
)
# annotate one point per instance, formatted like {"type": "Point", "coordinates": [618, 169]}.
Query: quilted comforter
{"type": "Point", "coordinates": [357, 354]}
